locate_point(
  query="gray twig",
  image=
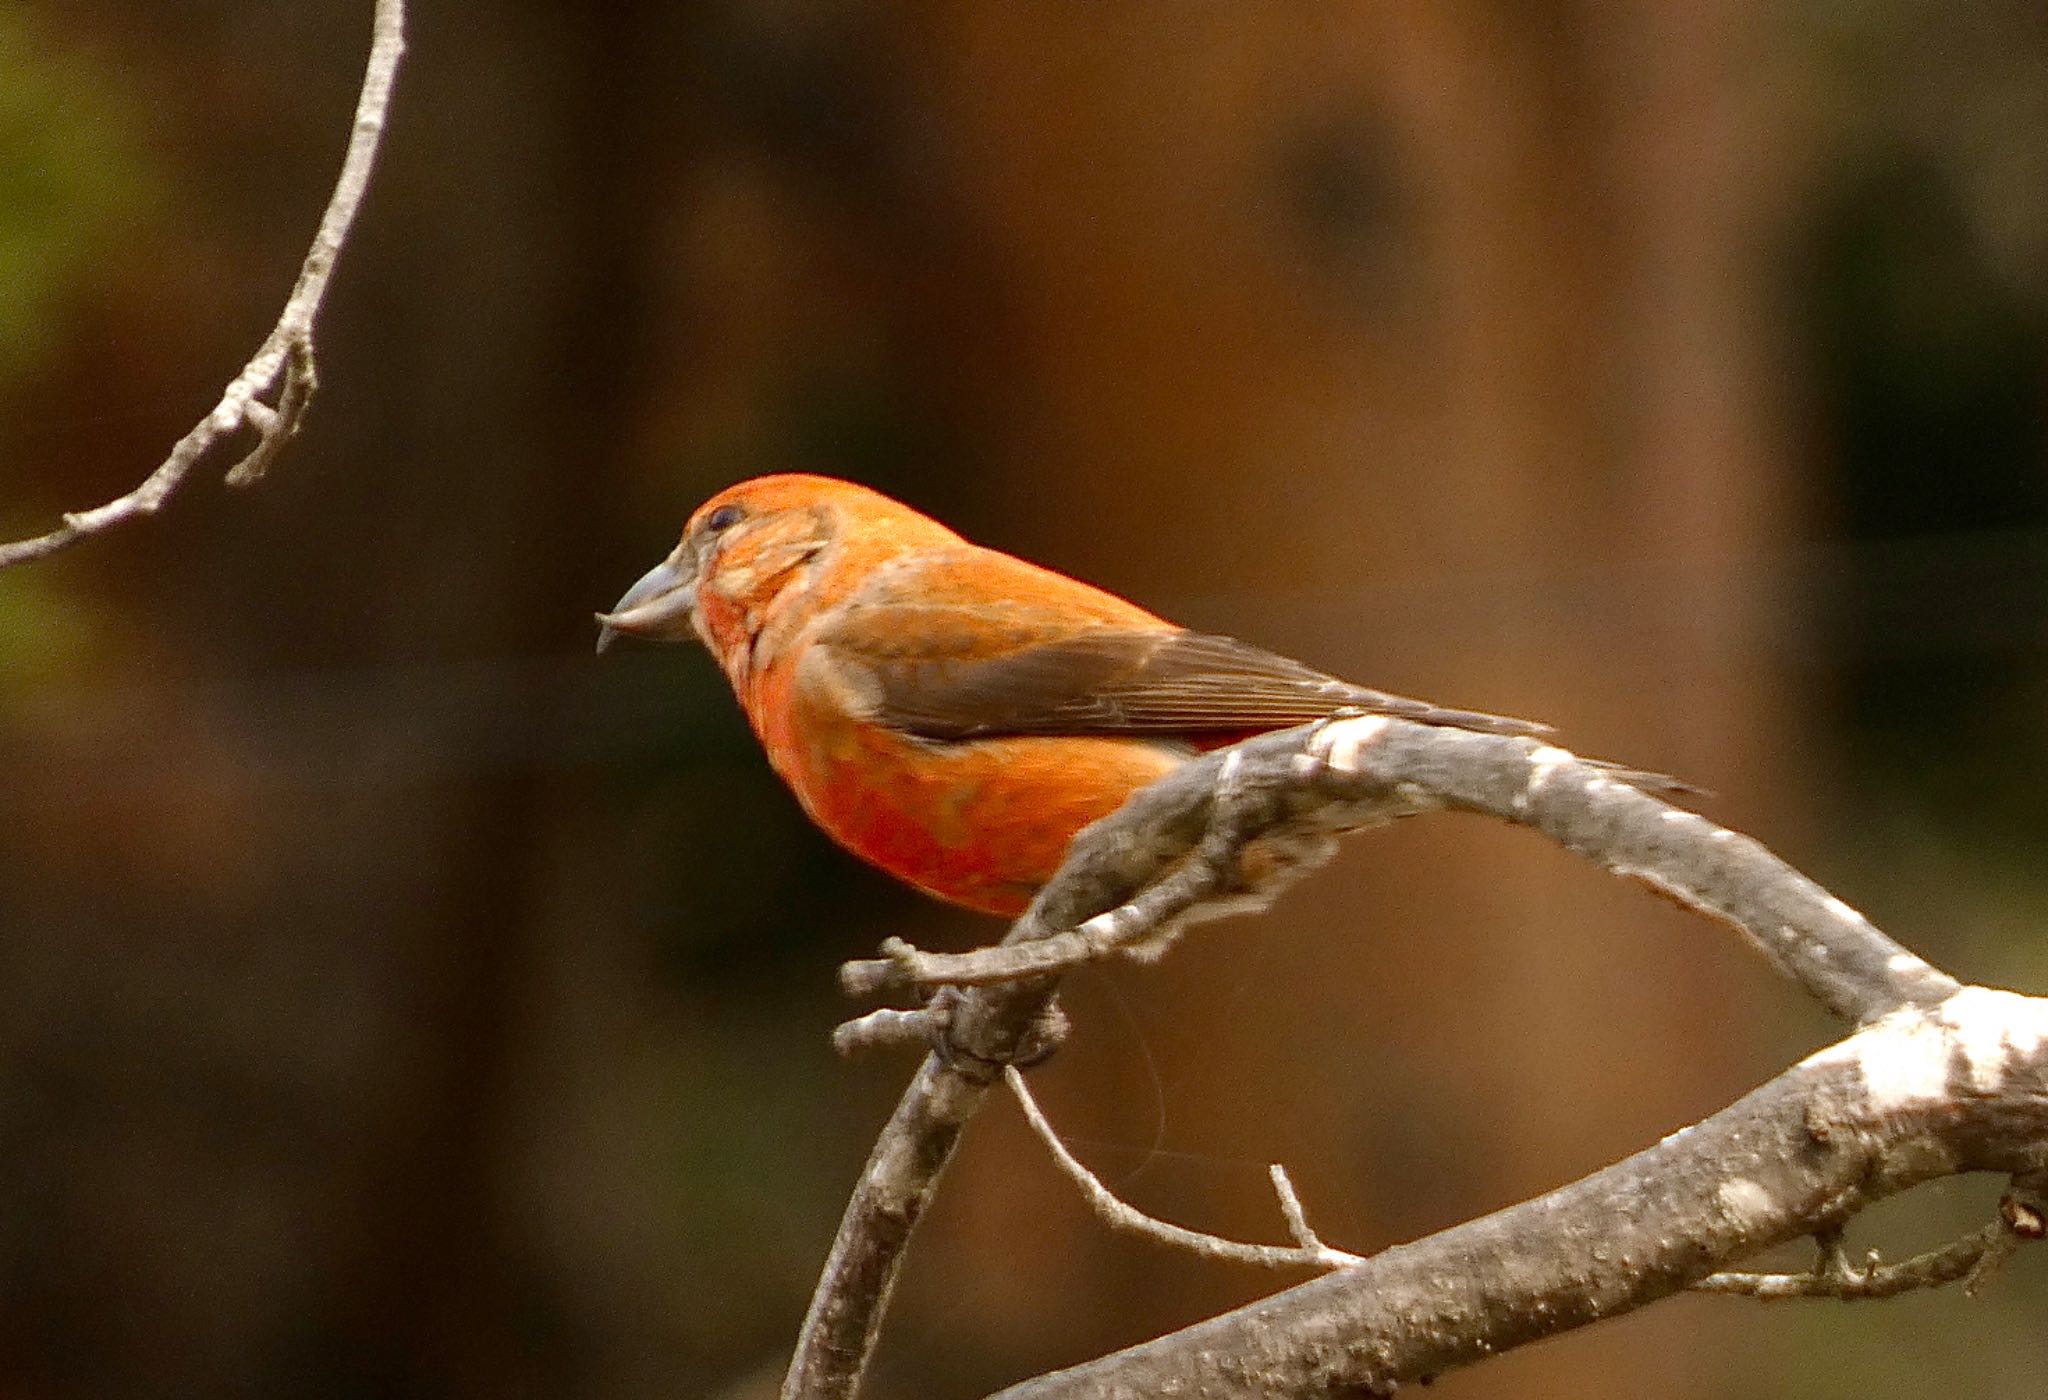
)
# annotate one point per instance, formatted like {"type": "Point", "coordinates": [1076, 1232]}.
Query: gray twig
{"type": "Point", "coordinates": [1971, 1261]}
{"type": "Point", "coordinates": [284, 362]}
{"type": "Point", "coordinates": [1872, 1278]}
{"type": "Point", "coordinates": [1307, 1252]}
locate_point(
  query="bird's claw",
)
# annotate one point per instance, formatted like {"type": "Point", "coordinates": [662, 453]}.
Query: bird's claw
{"type": "Point", "coordinates": [1046, 1033]}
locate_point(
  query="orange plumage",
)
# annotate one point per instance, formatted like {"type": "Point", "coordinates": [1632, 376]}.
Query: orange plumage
{"type": "Point", "coordinates": [947, 712]}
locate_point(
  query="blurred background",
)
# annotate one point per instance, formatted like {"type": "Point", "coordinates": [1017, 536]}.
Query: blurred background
{"type": "Point", "coordinates": [397, 1001]}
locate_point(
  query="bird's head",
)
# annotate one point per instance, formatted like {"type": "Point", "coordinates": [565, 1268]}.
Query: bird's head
{"type": "Point", "coordinates": [753, 550]}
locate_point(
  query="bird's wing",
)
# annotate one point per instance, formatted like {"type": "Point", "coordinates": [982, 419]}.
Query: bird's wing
{"type": "Point", "coordinates": [1134, 682]}
{"type": "Point", "coordinates": [952, 656]}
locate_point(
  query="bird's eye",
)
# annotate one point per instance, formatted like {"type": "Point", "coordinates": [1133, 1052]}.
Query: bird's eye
{"type": "Point", "coordinates": [724, 518]}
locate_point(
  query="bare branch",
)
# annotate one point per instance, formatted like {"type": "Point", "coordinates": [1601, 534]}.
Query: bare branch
{"type": "Point", "coordinates": [284, 362]}
{"type": "Point", "coordinates": [845, 1315]}
{"type": "Point", "coordinates": [1160, 860]}
{"type": "Point", "coordinates": [1307, 1252]}
{"type": "Point", "coordinates": [1875, 1279]}
{"type": "Point", "coordinates": [1298, 785]}
{"type": "Point", "coordinates": [1917, 1095]}
{"type": "Point", "coordinates": [1970, 1260]}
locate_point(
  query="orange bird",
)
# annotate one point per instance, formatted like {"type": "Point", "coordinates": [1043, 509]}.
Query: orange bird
{"type": "Point", "coordinates": [947, 712]}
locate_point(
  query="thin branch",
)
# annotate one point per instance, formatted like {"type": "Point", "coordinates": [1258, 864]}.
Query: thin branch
{"type": "Point", "coordinates": [845, 1316]}
{"type": "Point", "coordinates": [1307, 1252]}
{"type": "Point", "coordinates": [1970, 1261]}
{"type": "Point", "coordinates": [1874, 1279]}
{"type": "Point", "coordinates": [844, 1320]}
{"type": "Point", "coordinates": [284, 362]}
{"type": "Point", "coordinates": [1295, 1216]}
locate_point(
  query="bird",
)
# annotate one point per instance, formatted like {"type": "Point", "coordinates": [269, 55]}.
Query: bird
{"type": "Point", "coordinates": [947, 712]}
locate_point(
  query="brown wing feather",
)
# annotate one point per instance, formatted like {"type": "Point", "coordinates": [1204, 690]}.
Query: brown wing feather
{"type": "Point", "coordinates": [1116, 681]}
{"type": "Point", "coordinates": [952, 644]}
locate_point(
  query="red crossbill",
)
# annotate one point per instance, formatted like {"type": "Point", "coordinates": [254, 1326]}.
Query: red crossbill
{"type": "Point", "coordinates": [947, 712]}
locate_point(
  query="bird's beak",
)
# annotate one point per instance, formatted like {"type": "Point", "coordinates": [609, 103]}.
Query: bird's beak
{"type": "Point", "coordinates": [660, 607]}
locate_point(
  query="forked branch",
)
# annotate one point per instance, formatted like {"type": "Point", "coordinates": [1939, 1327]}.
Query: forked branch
{"type": "Point", "coordinates": [1942, 1078]}
{"type": "Point", "coordinates": [1307, 1252]}
{"type": "Point", "coordinates": [283, 365]}
{"type": "Point", "coordinates": [1969, 1261]}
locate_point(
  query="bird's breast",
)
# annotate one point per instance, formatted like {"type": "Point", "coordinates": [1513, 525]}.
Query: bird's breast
{"type": "Point", "coordinates": [981, 822]}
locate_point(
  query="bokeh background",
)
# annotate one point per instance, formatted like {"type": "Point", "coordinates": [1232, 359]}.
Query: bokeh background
{"type": "Point", "coordinates": [397, 1001]}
